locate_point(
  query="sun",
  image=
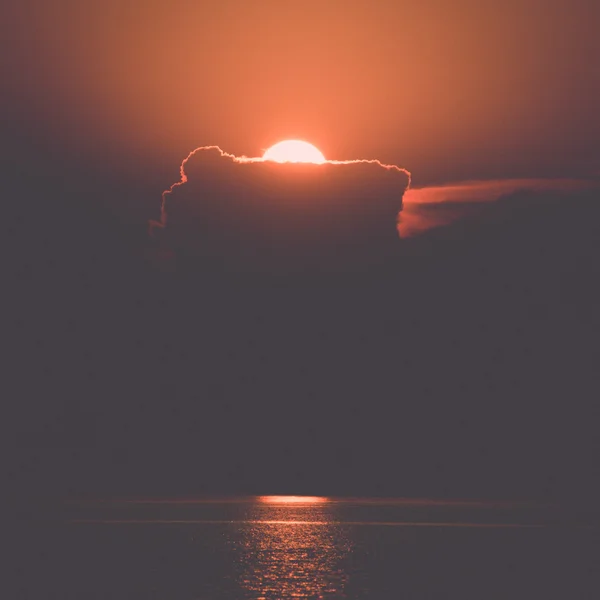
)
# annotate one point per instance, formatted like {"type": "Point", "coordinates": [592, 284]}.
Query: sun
{"type": "Point", "coordinates": [294, 151]}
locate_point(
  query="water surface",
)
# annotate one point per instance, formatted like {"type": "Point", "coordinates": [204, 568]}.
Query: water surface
{"type": "Point", "coordinates": [282, 547]}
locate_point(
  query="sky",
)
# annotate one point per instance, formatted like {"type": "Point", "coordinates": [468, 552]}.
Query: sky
{"type": "Point", "coordinates": [461, 90]}
{"type": "Point", "coordinates": [456, 362]}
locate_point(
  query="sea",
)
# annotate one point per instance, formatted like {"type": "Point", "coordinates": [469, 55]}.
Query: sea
{"type": "Point", "coordinates": [279, 547]}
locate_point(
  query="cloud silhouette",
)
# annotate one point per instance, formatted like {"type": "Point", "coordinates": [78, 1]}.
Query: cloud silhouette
{"type": "Point", "coordinates": [251, 213]}
{"type": "Point", "coordinates": [247, 213]}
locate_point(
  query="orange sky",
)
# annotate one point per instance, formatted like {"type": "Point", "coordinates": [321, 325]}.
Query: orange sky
{"type": "Point", "coordinates": [451, 90]}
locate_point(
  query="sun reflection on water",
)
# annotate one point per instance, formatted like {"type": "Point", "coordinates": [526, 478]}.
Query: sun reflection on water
{"type": "Point", "coordinates": [292, 499]}
{"type": "Point", "coordinates": [294, 548]}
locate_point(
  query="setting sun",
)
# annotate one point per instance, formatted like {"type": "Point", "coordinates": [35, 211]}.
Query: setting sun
{"type": "Point", "coordinates": [294, 151]}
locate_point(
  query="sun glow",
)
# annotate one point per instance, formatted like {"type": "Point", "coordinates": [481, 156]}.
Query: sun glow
{"type": "Point", "coordinates": [292, 499]}
{"type": "Point", "coordinates": [294, 151]}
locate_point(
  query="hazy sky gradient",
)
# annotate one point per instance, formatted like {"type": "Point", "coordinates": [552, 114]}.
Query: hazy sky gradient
{"type": "Point", "coordinates": [451, 90]}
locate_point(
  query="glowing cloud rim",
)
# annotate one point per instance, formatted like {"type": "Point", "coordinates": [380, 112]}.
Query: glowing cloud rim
{"type": "Point", "coordinates": [162, 223]}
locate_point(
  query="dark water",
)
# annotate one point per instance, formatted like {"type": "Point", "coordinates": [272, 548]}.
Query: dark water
{"type": "Point", "coordinates": [267, 548]}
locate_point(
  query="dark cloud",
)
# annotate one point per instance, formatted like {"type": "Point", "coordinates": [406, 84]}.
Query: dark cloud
{"type": "Point", "coordinates": [254, 214]}
{"type": "Point", "coordinates": [246, 213]}
{"type": "Point", "coordinates": [436, 206]}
